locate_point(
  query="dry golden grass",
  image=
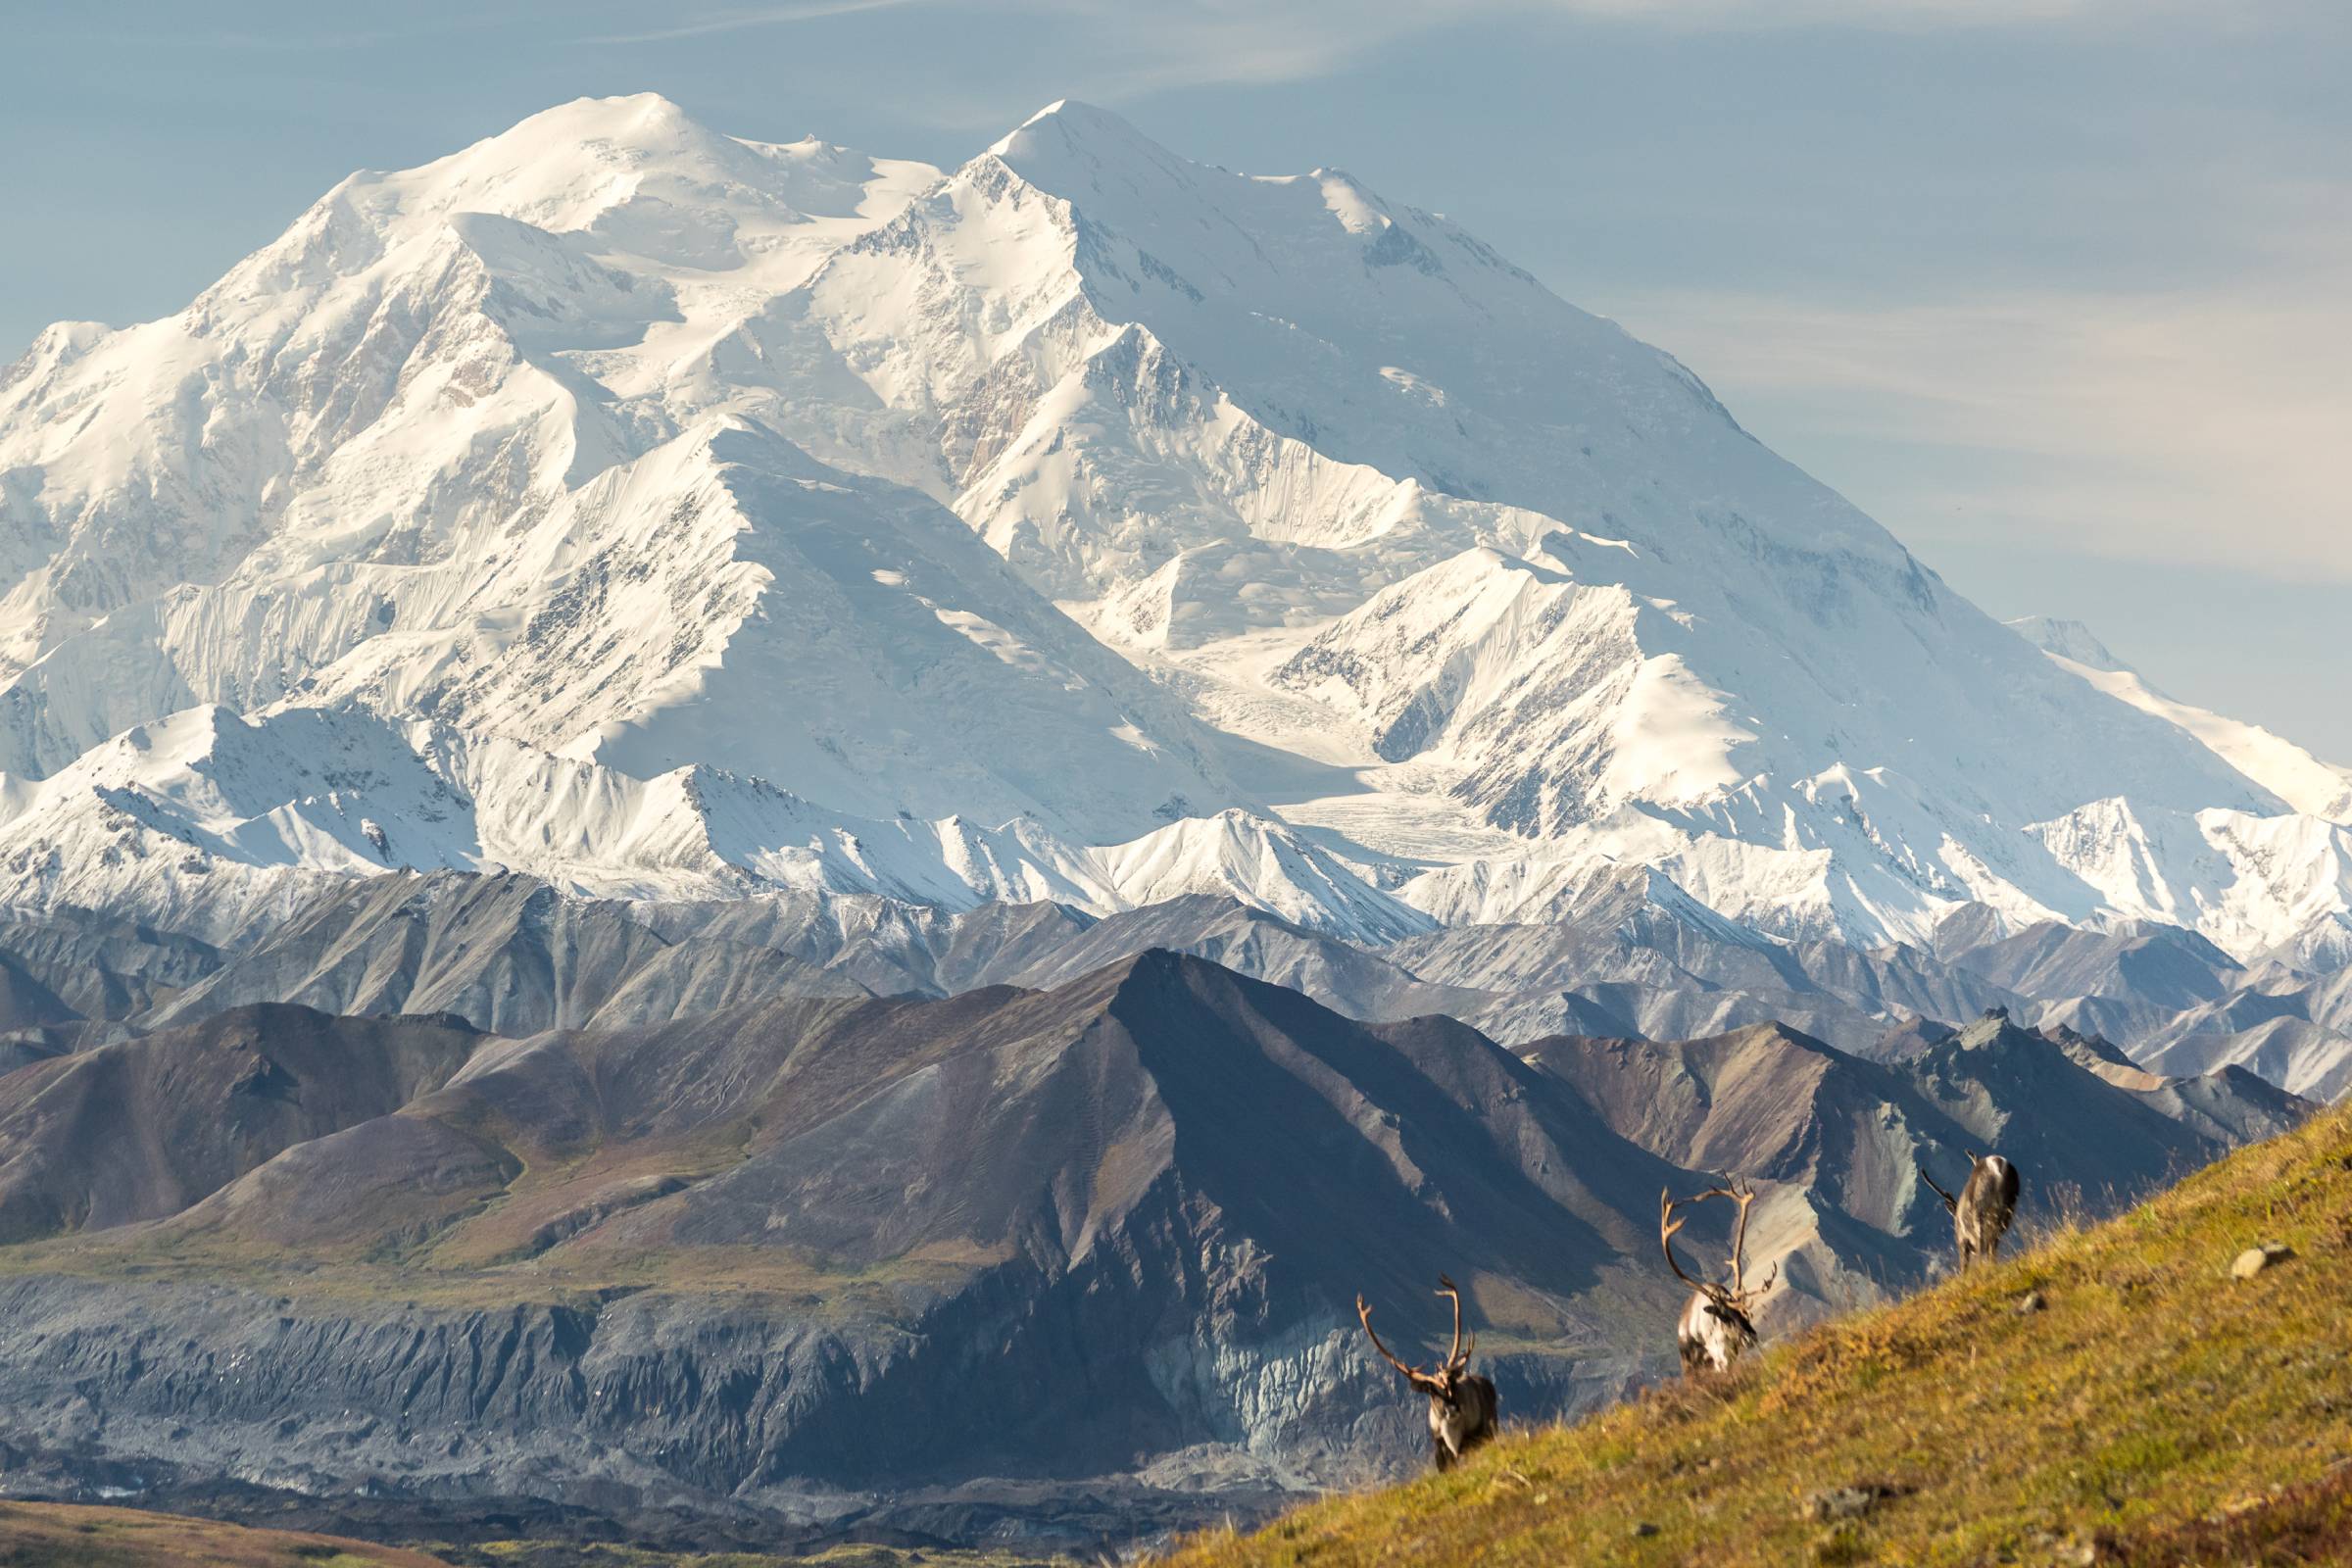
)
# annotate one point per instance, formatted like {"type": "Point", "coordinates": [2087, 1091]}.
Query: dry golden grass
{"type": "Point", "coordinates": [41, 1535]}
{"type": "Point", "coordinates": [2154, 1411]}
{"type": "Point", "coordinates": [774, 1277]}
{"type": "Point", "coordinates": [565, 1554]}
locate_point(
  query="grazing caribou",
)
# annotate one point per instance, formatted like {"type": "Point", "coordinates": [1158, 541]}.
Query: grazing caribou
{"type": "Point", "coordinates": [1716, 1327]}
{"type": "Point", "coordinates": [1986, 1203]}
{"type": "Point", "coordinates": [1461, 1405]}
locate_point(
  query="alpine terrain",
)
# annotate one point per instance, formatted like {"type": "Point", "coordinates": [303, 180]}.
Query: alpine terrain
{"type": "Point", "coordinates": [735, 844]}
{"type": "Point", "coordinates": [672, 516]}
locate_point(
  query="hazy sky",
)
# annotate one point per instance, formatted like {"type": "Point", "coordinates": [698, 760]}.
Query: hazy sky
{"type": "Point", "coordinates": [2060, 290]}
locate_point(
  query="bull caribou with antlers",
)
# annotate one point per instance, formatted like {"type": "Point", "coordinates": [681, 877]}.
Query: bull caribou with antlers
{"type": "Point", "coordinates": [1716, 1326]}
{"type": "Point", "coordinates": [1461, 1403]}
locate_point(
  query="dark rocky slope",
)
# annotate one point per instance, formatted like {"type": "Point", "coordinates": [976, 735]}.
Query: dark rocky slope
{"type": "Point", "coordinates": [1842, 1140]}
{"type": "Point", "coordinates": [1637, 958]}
{"type": "Point", "coordinates": [142, 1129]}
{"type": "Point", "coordinates": [1005, 1246]}
{"type": "Point", "coordinates": [1026, 1258]}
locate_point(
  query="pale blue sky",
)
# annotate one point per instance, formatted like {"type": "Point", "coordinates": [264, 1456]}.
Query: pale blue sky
{"type": "Point", "coordinates": [2057, 289]}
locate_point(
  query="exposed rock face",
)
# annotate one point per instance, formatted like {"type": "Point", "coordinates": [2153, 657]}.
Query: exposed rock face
{"type": "Point", "coordinates": [885, 616]}
{"type": "Point", "coordinates": [2083, 1114]}
{"type": "Point", "coordinates": [142, 1129]}
{"type": "Point", "coordinates": [81, 966]}
{"type": "Point", "coordinates": [1843, 1140]}
{"type": "Point", "coordinates": [514, 955]}
{"type": "Point", "coordinates": [794, 1252]}
{"type": "Point", "coordinates": [972, 1258]}
{"type": "Point", "coordinates": [508, 953]}
{"type": "Point", "coordinates": [714, 1406]}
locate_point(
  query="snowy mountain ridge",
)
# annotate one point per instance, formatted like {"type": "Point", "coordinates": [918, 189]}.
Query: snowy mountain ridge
{"type": "Point", "coordinates": [668, 515]}
{"type": "Point", "coordinates": [2307, 784]}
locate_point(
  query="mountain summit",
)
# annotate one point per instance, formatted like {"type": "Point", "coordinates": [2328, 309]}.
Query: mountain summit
{"type": "Point", "coordinates": [667, 514]}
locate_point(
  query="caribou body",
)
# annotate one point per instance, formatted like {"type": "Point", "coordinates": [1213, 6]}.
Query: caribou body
{"type": "Point", "coordinates": [1461, 1403]}
{"type": "Point", "coordinates": [1715, 1329]}
{"type": "Point", "coordinates": [1985, 1204]}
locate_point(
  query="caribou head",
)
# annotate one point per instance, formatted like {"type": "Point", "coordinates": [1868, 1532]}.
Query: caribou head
{"type": "Point", "coordinates": [1716, 1326]}
{"type": "Point", "coordinates": [1461, 1402]}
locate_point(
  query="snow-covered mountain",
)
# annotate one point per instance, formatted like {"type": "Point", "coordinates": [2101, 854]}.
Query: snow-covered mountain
{"type": "Point", "coordinates": [2304, 782]}
{"type": "Point", "coordinates": [674, 516]}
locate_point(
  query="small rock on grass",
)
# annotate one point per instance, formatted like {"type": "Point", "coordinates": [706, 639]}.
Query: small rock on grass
{"type": "Point", "coordinates": [2254, 1259]}
{"type": "Point", "coordinates": [1645, 1529]}
{"type": "Point", "coordinates": [2065, 1550]}
{"type": "Point", "coordinates": [2033, 1302]}
{"type": "Point", "coordinates": [1844, 1502]}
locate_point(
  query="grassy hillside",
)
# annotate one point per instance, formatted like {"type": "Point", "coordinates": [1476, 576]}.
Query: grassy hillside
{"type": "Point", "coordinates": [2113, 1395]}
{"type": "Point", "coordinates": [42, 1535]}
{"type": "Point", "coordinates": [45, 1534]}
{"type": "Point", "coordinates": [589, 1554]}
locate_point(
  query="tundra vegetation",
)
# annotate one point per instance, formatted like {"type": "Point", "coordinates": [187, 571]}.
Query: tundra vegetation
{"type": "Point", "coordinates": [2103, 1395]}
{"type": "Point", "coordinates": [42, 1535]}
{"type": "Point", "coordinates": [68, 1535]}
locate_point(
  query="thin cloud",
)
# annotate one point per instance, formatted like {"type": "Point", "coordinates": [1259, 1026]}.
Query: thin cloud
{"type": "Point", "coordinates": [1766, 14]}
{"type": "Point", "coordinates": [757, 17]}
{"type": "Point", "coordinates": [2188, 426]}
{"type": "Point", "coordinates": [1132, 51]}
{"type": "Point", "coordinates": [1188, 43]}
{"type": "Point", "coordinates": [292, 42]}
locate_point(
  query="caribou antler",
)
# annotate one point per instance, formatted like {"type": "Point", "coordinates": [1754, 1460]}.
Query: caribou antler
{"type": "Point", "coordinates": [1742, 1194]}
{"type": "Point", "coordinates": [1461, 1403]}
{"type": "Point", "coordinates": [1365, 1314]}
{"type": "Point", "coordinates": [1951, 1203]}
{"type": "Point", "coordinates": [1667, 1226]}
{"type": "Point", "coordinates": [1459, 1355]}
{"type": "Point", "coordinates": [1738, 1294]}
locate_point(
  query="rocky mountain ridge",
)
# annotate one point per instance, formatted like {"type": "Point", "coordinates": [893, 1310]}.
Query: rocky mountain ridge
{"type": "Point", "coordinates": [1008, 1257]}
{"type": "Point", "coordinates": [516, 956]}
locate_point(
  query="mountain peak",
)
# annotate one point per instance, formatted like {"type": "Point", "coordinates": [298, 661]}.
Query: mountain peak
{"type": "Point", "coordinates": [633, 130]}
{"type": "Point", "coordinates": [62, 341]}
{"type": "Point", "coordinates": [1480, 594]}
{"type": "Point", "coordinates": [1064, 144]}
{"type": "Point", "coordinates": [2069, 640]}
{"type": "Point", "coordinates": [626, 118]}
{"type": "Point", "coordinates": [567, 167]}
{"type": "Point", "coordinates": [1072, 119]}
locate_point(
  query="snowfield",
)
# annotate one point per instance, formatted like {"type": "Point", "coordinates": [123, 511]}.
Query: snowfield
{"type": "Point", "coordinates": [672, 515]}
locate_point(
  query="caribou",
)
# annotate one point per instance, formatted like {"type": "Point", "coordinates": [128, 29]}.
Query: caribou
{"type": "Point", "coordinates": [1716, 1326]}
{"type": "Point", "coordinates": [1986, 1203]}
{"type": "Point", "coordinates": [1461, 1403]}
